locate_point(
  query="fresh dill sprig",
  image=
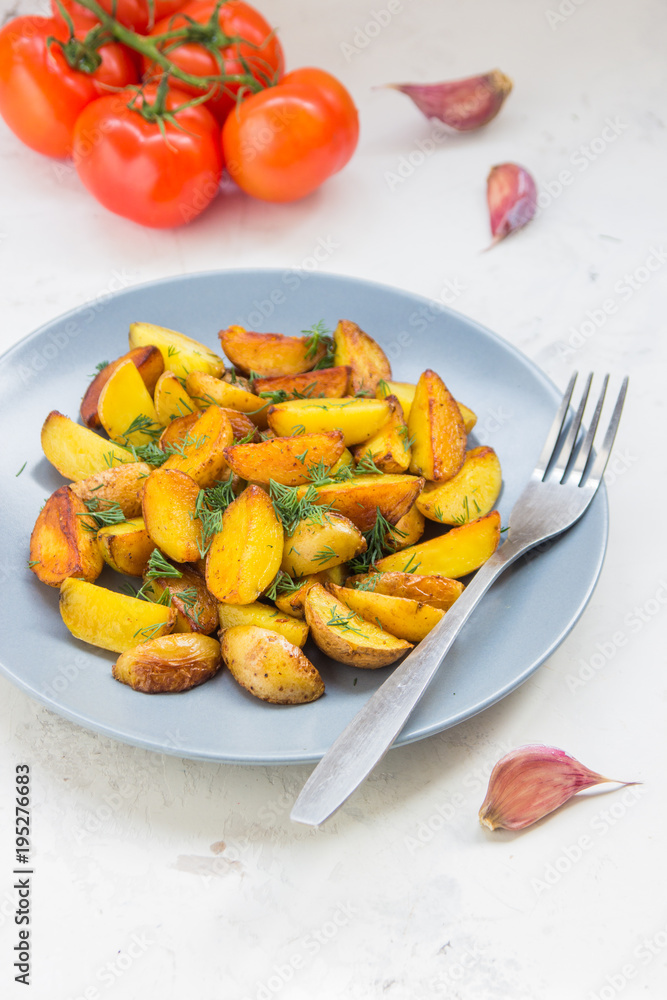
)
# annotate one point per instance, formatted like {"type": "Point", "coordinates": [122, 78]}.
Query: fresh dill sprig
{"type": "Point", "coordinates": [276, 396]}
{"type": "Point", "coordinates": [99, 368]}
{"type": "Point", "coordinates": [143, 424]}
{"type": "Point", "coordinates": [368, 584]}
{"type": "Point", "coordinates": [102, 513]}
{"type": "Point", "coordinates": [20, 470]}
{"type": "Point", "coordinates": [325, 554]}
{"type": "Point", "coordinates": [298, 430]}
{"type": "Point", "coordinates": [149, 632]}
{"type": "Point", "coordinates": [405, 437]}
{"type": "Point", "coordinates": [338, 620]}
{"type": "Point", "coordinates": [378, 541]}
{"type": "Point", "coordinates": [246, 437]}
{"type": "Point", "coordinates": [409, 567]}
{"type": "Point", "coordinates": [158, 566]}
{"type": "Point", "coordinates": [172, 351]}
{"type": "Point", "coordinates": [282, 584]}
{"type": "Point", "coordinates": [384, 388]}
{"type": "Point", "coordinates": [366, 466]}
{"type": "Point", "coordinates": [437, 510]}
{"type": "Point", "coordinates": [290, 508]}
{"type": "Point", "coordinates": [211, 505]}
{"type": "Point", "coordinates": [149, 453]}
{"type": "Point", "coordinates": [316, 337]}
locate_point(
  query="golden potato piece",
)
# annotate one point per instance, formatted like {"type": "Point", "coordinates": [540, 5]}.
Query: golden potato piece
{"type": "Point", "coordinates": [170, 399]}
{"type": "Point", "coordinates": [293, 629]}
{"type": "Point", "coordinates": [358, 419]}
{"type": "Point", "coordinates": [169, 664]}
{"type": "Point", "coordinates": [110, 620]}
{"type": "Point", "coordinates": [196, 609]}
{"type": "Point", "coordinates": [126, 547]}
{"type": "Point", "coordinates": [292, 602]}
{"type": "Point", "coordinates": [365, 357]}
{"type": "Point", "coordinates": [201, 454]}
{"type": "Point", "coordinates": [126, 409]}
{"type": "Point", "coordinates": [347, 637]}
{"type": "Point", "coordinates": [242, 426]}
{"type": "Point", "coordinates": [458, 552]}
{"type": "Point", "coordinates": [267, 665]}
{"type": "Point", "coordinates": [313, 547]}
{"type": "Point", "coordinates": [122, 484]}
{"type": "Point", "coordinates": [150, 366]}
{"type": "Point", "coordinates": [471, 493]}
{"type": "Point", "coordinates": [360, 498]}
{"type": "Point", "coordinates": [245, 554]}
{"type": "Point", "coordinates": [77, 452]}
{"type": "Point", "coordinates": [269, 353]}
{"type": "Point", "coordinates": [469, 418]}
{"type": "Point", "coordinates": [437, 430]}
{"type": "Point", "coordinates": [389, 448]}
{"type": "Point", "coordinates": [405, 392]}
{"type": "Point", "coordinates": [285, 460]}
{"type": "Point", "coordinates": [329, 382]}
{"type": "Point", "coordinates": [206, 390]}
{"type": "Point", "coordinates": [404, 618]}
{"type": "Point", "coordinates": [180, 354]}
{"type": "Point", "coordinates": [62, 544]}
{"type": "Point", "coordinates": [169, 503]}
{"type": "Point", "coordinates": [407, 531]}
{"type": "Point", "coordinates": [438, 591]}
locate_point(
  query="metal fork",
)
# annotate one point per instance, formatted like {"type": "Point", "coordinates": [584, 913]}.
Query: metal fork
{"type": "Point", "coordinates": [560, 489]}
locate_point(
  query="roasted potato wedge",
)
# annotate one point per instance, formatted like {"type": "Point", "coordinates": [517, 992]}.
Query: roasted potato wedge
{"type": "Point", "coordinates": [438, 591]}
{"type": "Point", "coordinates": [358, 419]}
{"type": "Point", "coordinates": [347, 637]}
{"type": "Point", "coordinates": [329, 382]}
{"type": "Point", "coordinates": [456, 553]}
{"type": "Point", "coordinates": [206, 390]}
{"type": "Point", "coordinates": [196, 609]}
{"type": "Point", "coordinates": [405, 392]}
{"type": "Point", "coordinates": [202, 453]}
{"type": "Point", "coordinates": [110, 620]}
{"type": "Point", "coordinates": [169, 664]}
{"type": "Point", "coordinates": [291, 603]}
{"type": "Point", "coordinates": [407, 531]}
{"type": "Point", "coordinates": [149, 364]}
{"type": "Point", "coordinates": [270, 667]}
{"type": "Point", "coordinates": [77, 452]}
{"type": "Point", "coordinates": [270, 353]}
{"type": "Point", "coordinates": [126, 547]}
{"type": "Point", "coordinates": [437, 430]}
{"type": "Point", "coordinates": [126, 409]}
{"type": "Point", "coordinates": [313, 547]}
{"type": "Point", "coordinates": [389, 448]}
{"type": "Point", "coordinates": [295, 630]}
{"type": "Point", "coordinates": [242, 426]}
{"type": "Point", "coordinates": [62, 543]}
{"type": "Point", "coordinates": [360, 498]}
{"type": "Point", "coordinates": [245, 554]}
{"type": "Point", "coordinates": [402, 617]}
{"type": "Point", "coordinates": [171, 400]}
{"type": "Point", "coordinates": [178, 430]}
{"type": "Point", "coordinates": [169, 503]}
{"type": "Point", "coordinates": [285, 460]}
{"type": "Point", "coordinates": [122, 484]}
{"type": "Point", "coordinates": [470, 494]}
{"type": "Point", "coordinates": [365, 357]}
{"type": "Point", "coordinates": [180, 354]}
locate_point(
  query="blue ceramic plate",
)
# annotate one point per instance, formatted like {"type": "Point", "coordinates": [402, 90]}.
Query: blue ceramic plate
{"type": "Point", "coordinates": [518, 625]}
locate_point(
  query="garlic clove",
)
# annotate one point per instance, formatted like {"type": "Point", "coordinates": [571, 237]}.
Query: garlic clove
{"type": "Point", "coordinates": [512, 198]}
{"type": "Point", "coordinates": [462, 104]}
{"type": "Point", "coordinates": [530, 782]}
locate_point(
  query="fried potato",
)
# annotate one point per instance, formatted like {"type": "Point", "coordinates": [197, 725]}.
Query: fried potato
{"type": "Point", "coordinates": [470, 494]}
{"type": "Point", "coordinates": [126, 547]}
{"type": "Point", "coordinates": [313, 547]}
{"type": "Point", "coordinates": [389, 448]}
{"type": "Point", "coordinates": [149, 364]}
{"type": "Point", "coordinates": [180, 354]}
{"type": "Point", "coordinates": [405, 392]}
{"type": "Point", "coordinates": [206, 390]}
{"type": "Point", "coordinates": [358, 419]}
{"type": "Point", "coordinates": [170, 399]}
{"type": "Point", "coordinates": [123, 484]}
{"type": "Point", "coordinates": [285, 460]}
{"type": "Point", "coordinates": [178, 430]}
{"type": "Point", "coordinates": [293, 629]}
{"type": "Point", "coordinates": [329, 382]}
{"type": "Point", "coordinates": [360, 498]}
{"type": "Point", "coordinates": [110, 620]}
{"type": "Point", "coordinates": [242, 426]}
{"type": "Point", "coordinates": [169, 664]}
{"type": "Point", "coordinates": [77, 452]}
{"type": "Point", "coordinates": [169, 503]}
{"type": "Point", "coordinates": [438, 591]}
{"type": "Point", "coordinates": [62, 544]}
{"type": "Point", "coordinates": [126, 409]}
{"type": "Point", "coordinates": [402, 617]}
{"type": "Point", "coordinates": [270, 353]}
{"type": "Point", "coordinates": [245, 554]}
{"type": "Point", "coordinates": [292, 602]}
{"type": "Point", "coordinates": [365, 357]}
{"type": "Point", "coordinates": [202, 453]}
{"type": "Point", "coordinates": [267, 665]}
{"type": "Point", "coordinates": [437, 430]}
{"type": "Point", "coordinates": [407, 531]}
{"type": "Point", "coordinates": [347, 637]}
{"type": "Point", "coordinates": [196, 609]}
{"type": "Point", "coordinates": [456, 553]}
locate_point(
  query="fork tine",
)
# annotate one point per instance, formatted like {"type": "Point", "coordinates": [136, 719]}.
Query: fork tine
{"type": "Point", "coordinates": [566, 450]}
{"type": "Point", "coordinates": [554, 430]}
{"type": "Point", "coordinates": [602, 457]}
{"type": "Point", "coordinates": [579, 467]}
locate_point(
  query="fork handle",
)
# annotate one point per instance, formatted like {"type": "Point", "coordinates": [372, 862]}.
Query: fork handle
{"type": "Point", "coordinates": [375, 727]}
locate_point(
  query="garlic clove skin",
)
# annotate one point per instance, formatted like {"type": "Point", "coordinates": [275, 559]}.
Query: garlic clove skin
{"type": "Point", "coordinates": [530, 782]}
{"type": "Point", "coordinates": [511, 194]}
{"type": "Point", "coordinates": [464, 105]}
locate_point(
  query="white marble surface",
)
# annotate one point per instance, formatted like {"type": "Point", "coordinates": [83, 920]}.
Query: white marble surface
{"type": "Point", "coordinates": [162, 877]}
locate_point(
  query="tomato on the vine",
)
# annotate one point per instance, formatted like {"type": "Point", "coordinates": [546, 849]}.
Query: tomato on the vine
{"type": "Point", "coordinates": [134, 14]}
{"type": "Point", "coordinates": [282, 143]}
{"type": "Point", "coordinates": [259, 50]}
{"type": "Point", "coordinates": [41, 96]}
{"type": "Point", "coordinates": [157, 176]}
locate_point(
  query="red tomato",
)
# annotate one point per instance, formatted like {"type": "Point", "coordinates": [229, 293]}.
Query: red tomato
{"type": "Point", "coordinates": [236, 19]}
{"type": "Point", "coordinates": [41, 97]}
{"type": "Point", "coordinates": [132, 13]}
{"type": "Point", "coordinates": [134, 171]}
{"type": "Point", "coordinates": [282, 143]}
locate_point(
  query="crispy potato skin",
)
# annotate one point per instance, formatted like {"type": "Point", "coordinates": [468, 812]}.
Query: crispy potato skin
{"type": "Point", "coordinates": [285, 460]}
{"type": "Point", "coordinates": [358, 499]}
{"type": "Point", "coordinates": [126, 547]}
{"type": "Point", "coordinates": [180, 354]}
{"type": "Point", "coordinates": [110, 620]}
{"type": "Point", "coordinates": [169, 664]}
{"type": "Point", "coordinates": [389, 448]}
{"type": "Point", "coordinates": [206, 390]}
{"type": "Point", "coordinates": [358, 419]}
{"type": "Point", "coordinates": [409, 529]}
{"type": "Point", "coordinates": [400, 616]}
{"type": "Point", "coordinates": [245, 554]}
{"type": "Point", "coordinates": [357, 642]}
{"type": "Point", "coordinates": [123, 399]}
{"type": "Point", "coordinates": [470, 494]}
{"type": "Point", "coordinates": [168, 503]}
{"type": "Point", "coordinates": [199, 615]}
{"type": "Point", "coordinates": [437, 429]}
{"type": "Point", "coordinates": [148, 362]}
{"type": "Point", "coordinates": [314, 547]}
{"type": "Point", "coordinates": [60, 544]}
{"type": "Point", "coordinates": [293, 629]}
{"type": "Point", "coordinates": [178, 430]}
{"type": "Point", "coordinates": [170, 399]}
{"type": "Point", "coordinates": [438, 591]}
{"type": "Point", "coordinates": [268, 353]}
{"type": "Point", "coordinates": [366, 358]}
{"type": "Point", "coordinates": [122, 484]}
{"type": "Point", "coordinates": [405, 392]}
{"type": "Point", "coordinates": [270, 667]}
{"type": "Point", "coordinates": [76, 451]}
{"type": "Point", "coordinates": [329, 382]}
{"type": "Point", "coordinates": [456, 553]}
{"type": "Point", "coordinates": [203, 450]}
